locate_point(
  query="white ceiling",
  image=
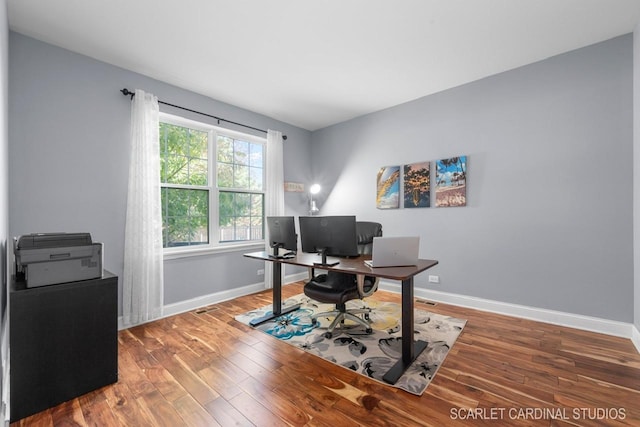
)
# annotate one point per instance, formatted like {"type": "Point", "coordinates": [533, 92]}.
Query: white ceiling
{"type": "Point", "coordinates": [317, 63]}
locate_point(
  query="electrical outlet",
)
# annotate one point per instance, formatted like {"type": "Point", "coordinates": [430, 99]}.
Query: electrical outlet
{"type": "Point", "coordinates": [434, 279]}
{"type": "Point", "coordinates": [260, 272]}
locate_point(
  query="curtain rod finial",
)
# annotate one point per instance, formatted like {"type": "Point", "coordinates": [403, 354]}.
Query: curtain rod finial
{"type": "Point", "coordinates": [127, 92]}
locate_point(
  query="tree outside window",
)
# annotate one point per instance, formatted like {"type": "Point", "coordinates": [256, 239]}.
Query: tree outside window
{"type": "Point", "coordinates": [196, 190]}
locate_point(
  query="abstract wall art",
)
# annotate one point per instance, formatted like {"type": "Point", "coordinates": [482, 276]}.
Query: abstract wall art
{"type": "Point", "coordinates": [388, 188]}
{"type": "Point", "coordinates": [417, 185]}
{"type": "Point", "coordinates": [451, 182]}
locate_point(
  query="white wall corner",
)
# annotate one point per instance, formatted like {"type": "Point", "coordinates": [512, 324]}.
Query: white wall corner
{"type": "Point", "coordinates": [635, 334]}
{"type": "Point", "coordinates": [635, 337]}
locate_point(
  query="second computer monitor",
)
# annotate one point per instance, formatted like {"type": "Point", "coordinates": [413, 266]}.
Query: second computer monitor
{"type": "Point", "coordinates": [282, 233]}
{"type": "Point", "coordinates": [329, 235]}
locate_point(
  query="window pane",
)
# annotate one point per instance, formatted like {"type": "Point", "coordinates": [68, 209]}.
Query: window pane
{"type": "Point", "coordinates": [257, 229]}
{"type": "Point", "coordinates": [199, 144]}
{"type": "Point", "coordinates": [241, 176]}
{"type": "Point", "coordinates": [174, 202]}
{"type": "Point", "coordinates": [183, 155]}
{"type": "Point", "coordinates": [257, 206]}
{"type": "Point", "coordinates": [225, 208]}
{"type": "Point", "coordinates": [225, 149]}
{"type": "Point", "coordinates": [177, 171]}
{"type": "Point", "coordinates": [225, 175]}
{"type": "Point", "coordinates": [242, 204]}
{"type": "Point", "coordinates": [185, 216]}
{"type": "Point", "coordinates": [199, 203]}
{"type": "Point", "coordinates": [241, 216]}
{"type": "Point", "coordinates": [243, 228]}
{"type": "Point", "coordinates": [198, 172]}
{"type": "Point", "coordinates": [255, 155]}
{"type": "Point", "coordinates": [174, 139]}
{"type": "Point", "coordinates": [240, 164]}
{"type": "Point", "coordinates": [241, 152]}
{"type": "Point", "coordinates": [255, 179]}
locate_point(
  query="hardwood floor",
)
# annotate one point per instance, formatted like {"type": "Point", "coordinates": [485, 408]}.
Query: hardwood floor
{"type": "Point", "coordinates": [203, 368]}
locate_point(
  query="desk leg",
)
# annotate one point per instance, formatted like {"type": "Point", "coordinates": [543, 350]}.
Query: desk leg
{"type": "Point", "coordinates": [277, 298]}
{"type": "Point", "coordinates": [410, 349]}
{"type": "Point", "coordinates": [277, 288]}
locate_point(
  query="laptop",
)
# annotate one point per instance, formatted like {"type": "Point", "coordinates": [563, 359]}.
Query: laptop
{"type": "Point", "coordinates": [394, 251]}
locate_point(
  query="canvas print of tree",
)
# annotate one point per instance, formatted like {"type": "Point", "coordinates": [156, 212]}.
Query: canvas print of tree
{"type": "Point", "coordinates": [451, 181]}
{"type": "Point", "coordinates": [417, 185]}
{"type": "Point", "coordinates": [388, 188]}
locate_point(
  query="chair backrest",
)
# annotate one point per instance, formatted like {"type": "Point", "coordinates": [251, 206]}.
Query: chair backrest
{"type": "Point", "coordinates": [366, 231]}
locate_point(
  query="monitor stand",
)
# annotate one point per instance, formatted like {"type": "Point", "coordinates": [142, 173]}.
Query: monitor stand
{"type": "Point", "coordinates": [324, 263]}
{"type": "Point", "coordinates": [276, 252]}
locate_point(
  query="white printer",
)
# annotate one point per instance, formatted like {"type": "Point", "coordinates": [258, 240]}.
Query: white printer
{"type": "Point", "coordinates": [50, 258]}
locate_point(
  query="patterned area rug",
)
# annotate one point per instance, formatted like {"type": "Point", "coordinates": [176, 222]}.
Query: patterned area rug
{"type": "Point", "coordinates": [367, 354]}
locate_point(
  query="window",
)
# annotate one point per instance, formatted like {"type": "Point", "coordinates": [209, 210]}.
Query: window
{"type": "Point", "coordinates": [210, 200]}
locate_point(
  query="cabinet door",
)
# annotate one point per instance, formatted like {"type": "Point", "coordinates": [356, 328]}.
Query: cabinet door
{"type": "Point", "coordinates": [63, 343]}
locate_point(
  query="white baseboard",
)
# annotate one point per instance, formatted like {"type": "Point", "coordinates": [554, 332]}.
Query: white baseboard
{"type": "Point", "coordinates": [183, 306]}
{"type": "Point", "coordinates": [635, 337]}
{"type": "Point", "coordinates": [214, 298]}
{"type": "Point", "coordinates": [593, 324]}
{"type": "Point", "coordinates": [299, 277]}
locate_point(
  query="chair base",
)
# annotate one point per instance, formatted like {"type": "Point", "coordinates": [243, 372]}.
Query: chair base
{"type": "Point", "coordinates": [341, 316]}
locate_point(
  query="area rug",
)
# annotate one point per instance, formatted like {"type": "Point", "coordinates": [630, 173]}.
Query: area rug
{"type": "Point", "coordinates": [367, 354]}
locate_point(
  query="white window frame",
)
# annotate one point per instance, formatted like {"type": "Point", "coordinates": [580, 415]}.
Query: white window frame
{"type": "Point", "coordinates": [214, 246]}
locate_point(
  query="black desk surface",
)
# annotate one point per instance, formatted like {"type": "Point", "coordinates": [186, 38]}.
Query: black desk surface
{"type": "Point", "coordinates": [350, 265]}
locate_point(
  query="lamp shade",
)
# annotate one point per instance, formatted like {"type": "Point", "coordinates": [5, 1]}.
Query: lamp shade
{"type": "Point", "coordinates": [313, 208]}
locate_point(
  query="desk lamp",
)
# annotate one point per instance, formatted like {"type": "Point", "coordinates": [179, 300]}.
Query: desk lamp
{"type": "Point", "coordinates": [313, 209]}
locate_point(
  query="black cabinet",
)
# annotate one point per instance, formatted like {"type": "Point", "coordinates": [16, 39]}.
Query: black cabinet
{"type": "Point", "coordinates": [63, 342]}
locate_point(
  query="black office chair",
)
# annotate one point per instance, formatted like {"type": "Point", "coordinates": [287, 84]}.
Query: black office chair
{"type": "Point", "coordinates": [338, 288]}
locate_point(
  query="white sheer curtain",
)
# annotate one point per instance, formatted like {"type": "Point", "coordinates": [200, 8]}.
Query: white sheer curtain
{"type": "Point", "coordinates": [274, 204]}
{"type": "Point", "coordinates": [142, 283]}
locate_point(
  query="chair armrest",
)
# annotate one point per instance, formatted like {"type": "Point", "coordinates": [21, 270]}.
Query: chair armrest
{"type": "Point", "coordinates": [360, 284]}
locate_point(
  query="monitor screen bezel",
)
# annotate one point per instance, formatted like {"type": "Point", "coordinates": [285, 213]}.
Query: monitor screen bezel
{"type": "Point", "coordinates": [314, 237]}
{"type": "Point", "coordinates": [281, 233]}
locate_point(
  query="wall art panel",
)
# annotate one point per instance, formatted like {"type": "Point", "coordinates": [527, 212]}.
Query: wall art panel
{"type": "Point", "coordinates": [388, 188]}
{"type": "Point", "coordinates": [451, 182]}
{"type": "Point", "coordinates": [417, 185]}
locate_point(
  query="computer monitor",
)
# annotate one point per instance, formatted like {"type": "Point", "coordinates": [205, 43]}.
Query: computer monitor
{"type": "Point", "coordinates": [282, 234]}
{"type": "Point", "coordinates": [329, 235]}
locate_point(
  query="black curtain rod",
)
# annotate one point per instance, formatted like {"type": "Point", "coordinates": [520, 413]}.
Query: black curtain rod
{"type": "Point", "coordinates": [127, 92]}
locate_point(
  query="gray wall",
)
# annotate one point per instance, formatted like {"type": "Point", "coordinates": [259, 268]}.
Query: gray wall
{"type": "Point", "coordinates": [4, 198]}
{"type": "Point", "coordinates": [69, 139]}
{"type": "Point", "coordinates": [549, 217]}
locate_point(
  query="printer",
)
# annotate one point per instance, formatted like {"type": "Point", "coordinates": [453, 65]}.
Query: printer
{"type": "Point", "coordinates": [51, 258]}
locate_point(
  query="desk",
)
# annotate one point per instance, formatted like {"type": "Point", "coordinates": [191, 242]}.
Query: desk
{"type": "Point", "coordinates": [410, 348]}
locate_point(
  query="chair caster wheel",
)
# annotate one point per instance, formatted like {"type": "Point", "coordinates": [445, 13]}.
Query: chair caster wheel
{"type": "Point", "coordinates": [314, 321]}
{"type": "Point", "coordinates": [366, 316]}
{"type": "Point", "coordinates": [328, 335]}
{"type": "Point", "coordinates": [369, 330]}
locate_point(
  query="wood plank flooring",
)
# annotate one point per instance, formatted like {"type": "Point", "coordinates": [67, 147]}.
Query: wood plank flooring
{"type": "Point", "coordinates": [206, 369]}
